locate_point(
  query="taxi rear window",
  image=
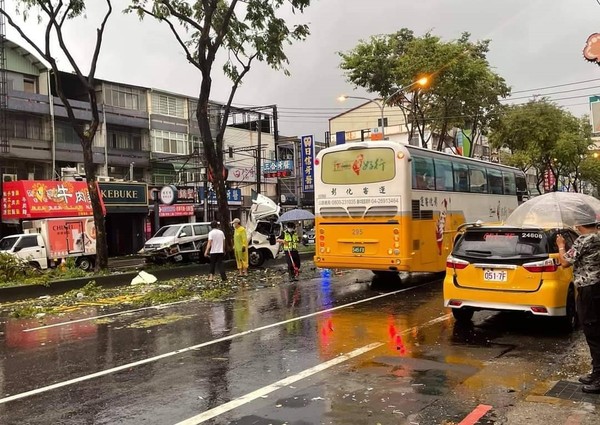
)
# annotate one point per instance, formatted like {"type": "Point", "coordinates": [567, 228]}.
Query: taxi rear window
{"type": "Point", "coordinates": [499, 243]}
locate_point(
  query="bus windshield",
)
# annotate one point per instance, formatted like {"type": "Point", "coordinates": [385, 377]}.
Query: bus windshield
{"type": "Point", "coordinates": [358, 166]}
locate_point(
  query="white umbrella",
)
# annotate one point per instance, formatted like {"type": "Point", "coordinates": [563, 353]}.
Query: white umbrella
{"type": "Point", "coordinates": [556, 209]}
{"type": "Point", "coordinates": [296, 215]}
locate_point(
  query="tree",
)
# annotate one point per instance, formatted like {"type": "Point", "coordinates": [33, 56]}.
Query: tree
{"type": "Point", "coordinates": [542, 136]}
{"type": "Point", "coordinates": [247, 30]}
{"type": "Point", "coordinates": [57, 13]}
{"type": "Point", "coordinates": [464, 92]}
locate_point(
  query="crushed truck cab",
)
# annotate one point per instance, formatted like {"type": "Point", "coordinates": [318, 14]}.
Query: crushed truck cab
{"type": "Point", "coordinates": [262, 231]}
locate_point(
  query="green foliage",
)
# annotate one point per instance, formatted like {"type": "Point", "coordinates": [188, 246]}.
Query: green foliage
{"type": "Point", "coordinates": [464, 91]}
{"type": "Point", "coordinates": [13, 269]}
{"type": "Point", "coordinates": [542, 136]}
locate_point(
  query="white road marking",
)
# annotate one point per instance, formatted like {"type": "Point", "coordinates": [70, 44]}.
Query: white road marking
{"type": "Point", "coordinates": [262, 392]}
{"type": "Point", "coordinates": [85, 319]}
{"type": "Point", "coordinates": [209, 414]}
{"type": "Point", "coordinates": [187, 349]}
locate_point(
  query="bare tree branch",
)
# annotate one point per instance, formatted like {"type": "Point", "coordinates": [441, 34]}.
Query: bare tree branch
{"type": "Point", "coordinates": [99, 35]}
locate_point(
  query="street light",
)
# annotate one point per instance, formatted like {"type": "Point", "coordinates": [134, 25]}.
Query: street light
{"type": "Point", "coordinates": [420, 82]}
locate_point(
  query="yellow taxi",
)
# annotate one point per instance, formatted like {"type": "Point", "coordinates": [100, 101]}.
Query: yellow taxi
{"type": "Point", "coordinates": [509, 268]}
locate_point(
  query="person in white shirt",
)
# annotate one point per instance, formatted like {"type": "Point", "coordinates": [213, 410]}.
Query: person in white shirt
{"type": "Point", "coordinates": [215, 250]}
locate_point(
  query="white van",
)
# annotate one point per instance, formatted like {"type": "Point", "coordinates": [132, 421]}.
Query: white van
{"type": "Point", "coordinates": [177, 242]}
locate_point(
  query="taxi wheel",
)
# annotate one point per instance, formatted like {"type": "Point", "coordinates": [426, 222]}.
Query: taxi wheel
{"type": "Point", "coordinates": [569, 322]}
{"type": "Point", "coordinates": [463, 314]}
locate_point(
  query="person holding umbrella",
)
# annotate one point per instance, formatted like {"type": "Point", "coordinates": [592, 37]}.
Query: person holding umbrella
{"type": "Point", "coordinates": [584, 256]}
{"type": "Point", "coordinates": [290, 248]}
{"type": "Point", "coordinates": [240, 247]}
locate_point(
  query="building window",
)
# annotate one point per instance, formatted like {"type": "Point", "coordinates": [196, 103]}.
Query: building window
{"type": "Point", "coordinates": [65, 133]}
{"type": "Point", "coordinates": [170, 142]}
{"type": "Point", "coordinates": [168, 105]}
{"type": "Point", "coordinates": [124, 97]}
{"type": "Point", "coordinates": [29, 85]}
{"type": "Point", "coordinates": [385, 122]}
{"type": "Point", "coordinates": [25, 127]}
{"type": "Point", "coordinates": [123, 139]}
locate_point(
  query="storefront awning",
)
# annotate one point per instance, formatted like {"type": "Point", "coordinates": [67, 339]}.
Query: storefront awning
{"type": "Point", "coordinates": [31, 199]}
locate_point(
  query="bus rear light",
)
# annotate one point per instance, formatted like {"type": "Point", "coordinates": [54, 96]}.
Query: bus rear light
{"type": "Point", "coordinates": [321, 231]}
{"type": "Point", "coordinates": [400, 155]}
{"type": "Point", "coordinates": [328, 250]}
{"type": "Point", "coordinates": [455, 303]}
{"type": "Point", "coordinates": [396, 244]}
{"type": "Point", "coordinates": [546, 266]}
{"type": "Point", "coordinates": [322, 250]}
{"type": "Point", "coordinates": [396, 231]}
{"type": "Point", "coordinates": [455, 263]}
{"type": "Point", "coordinates": [396, 237]}
{"type": "Point", "coordinates": [321, 243]}
{"type": "Point", "coordinates": [321, 238]}
{"type": "Point", "coordinates": [390, 251]}
{"type": "Point", "coordinates": [396, 252]}
{"type": "Point", "coordinates": [317, 162]}
{"type": "Point", "coordinates": [397, 261]}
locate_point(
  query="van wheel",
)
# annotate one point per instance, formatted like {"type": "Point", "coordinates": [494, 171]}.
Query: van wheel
{"type": "Point", "coordinates": [463, 314]}
{"type": "Point", "coordinates": [569, 322]}
{"type": "Point", "coordinates": [85, 263]}
{"type": "Point", "coordinates": [256, 258]}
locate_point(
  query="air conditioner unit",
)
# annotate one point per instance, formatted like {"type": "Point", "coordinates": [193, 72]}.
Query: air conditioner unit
{"type": "Point", "coordinates": [9, 177]}
{"type": "Point", "coordinates": [81, 169]}
{"type": "Point", "coordinates": [103, 178]}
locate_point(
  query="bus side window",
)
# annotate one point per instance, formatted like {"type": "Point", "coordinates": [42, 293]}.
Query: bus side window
{"type": "Point", "coordinates": [461, 177]}
{"type": "Point", "coordinates": [443, 175]}
{"type": "Point", "coordinates": [477, 179]}
{"type": "Point", "coordinates": [510, 187]}
{"type": "Point", "coordinates": [422, 169]}
{"type": "Point", "coordinates": [495, 182]}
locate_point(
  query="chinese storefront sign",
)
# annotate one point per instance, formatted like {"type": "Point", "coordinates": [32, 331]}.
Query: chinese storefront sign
{"type": "Point", "coordinates": [307, 147]}
{"type": "Point", "coordinates": [234, 196]}
{"type": "Point", "coordinates": [45, 199]}
{"type": "Point", "coordinates": [278, 168]}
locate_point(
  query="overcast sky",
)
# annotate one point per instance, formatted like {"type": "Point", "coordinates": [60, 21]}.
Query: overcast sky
{"type": "Point", "coordinates": [535, 44]}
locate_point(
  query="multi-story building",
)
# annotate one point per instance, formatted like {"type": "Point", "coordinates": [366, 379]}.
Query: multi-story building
{"type": "Point", "coordinates": [148, 138]}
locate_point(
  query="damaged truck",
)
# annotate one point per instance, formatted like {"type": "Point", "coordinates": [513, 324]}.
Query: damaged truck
{"type": "Point", "coordinates": [187, 241]}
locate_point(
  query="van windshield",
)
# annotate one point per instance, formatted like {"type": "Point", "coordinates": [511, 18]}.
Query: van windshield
{"type": "Point", "coordinates": [8, 242]}
{"type": "Point", "coordinates": [167, 231]}
{"type": "Point", "coordinates": [487, 243]}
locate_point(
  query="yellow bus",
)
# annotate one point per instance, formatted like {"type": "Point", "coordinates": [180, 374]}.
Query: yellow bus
{"type": "Point", "coordinates": [390, 207]}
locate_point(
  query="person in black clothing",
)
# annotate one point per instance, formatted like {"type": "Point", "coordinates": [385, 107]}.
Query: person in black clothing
{"type": "Point", "coordinates": [584, 256]}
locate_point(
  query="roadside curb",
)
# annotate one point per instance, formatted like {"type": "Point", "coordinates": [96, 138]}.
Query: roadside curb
{"type": "Point", "coordinates": [23, 292]}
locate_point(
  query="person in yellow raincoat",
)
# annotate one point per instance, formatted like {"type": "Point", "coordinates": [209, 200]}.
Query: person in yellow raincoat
{"type": "Point", "coordinates": [240, 247]}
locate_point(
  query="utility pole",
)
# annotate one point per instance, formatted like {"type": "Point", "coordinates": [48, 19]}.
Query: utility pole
{"type": "Point", "coordinates": [276, 144]}
{"type": "Point", "coordinates": [258, 158]}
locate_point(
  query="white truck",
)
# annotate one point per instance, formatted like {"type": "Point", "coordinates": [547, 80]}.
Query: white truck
{"type": "Point", "coordinates": [263, 231]}
{"type": "Point", "coordinates": [47, 242]}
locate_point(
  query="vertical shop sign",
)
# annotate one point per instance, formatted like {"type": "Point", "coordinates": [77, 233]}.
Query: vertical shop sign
{"type": "Point", "coordinates": [308, 155]}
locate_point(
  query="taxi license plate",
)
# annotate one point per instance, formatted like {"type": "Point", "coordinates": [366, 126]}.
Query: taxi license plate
{"type": "Point", "coordinates": [358, 250]}
{"type": "Point", "coordinates": [495, 275]}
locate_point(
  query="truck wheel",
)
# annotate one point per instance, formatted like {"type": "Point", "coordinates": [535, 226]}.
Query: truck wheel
{"type": "Point", "coordinates": [256, 258]}
{"type": "Point", "coordinates": [85, 263]}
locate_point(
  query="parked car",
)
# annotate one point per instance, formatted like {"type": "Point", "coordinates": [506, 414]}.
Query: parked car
{"type": "Point", "coordinates": [509, 268]}
{"type": "Point", "coordinates": [177, 242]}
{"type": "Point", "coordinates": [308, 237]}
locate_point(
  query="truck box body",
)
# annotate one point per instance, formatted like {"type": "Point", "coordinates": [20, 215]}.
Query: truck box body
{"type": "Point", "coordinates": [65, 237]}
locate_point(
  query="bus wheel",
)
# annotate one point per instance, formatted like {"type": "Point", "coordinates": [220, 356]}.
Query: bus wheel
{"type": "Point", "coordinates": [385, 274]}
{"type": "Point", "coordinates": [463, 314]}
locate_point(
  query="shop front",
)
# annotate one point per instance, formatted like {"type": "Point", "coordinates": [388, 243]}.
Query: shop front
{"type": "Point", "coordinates": [126, 214]}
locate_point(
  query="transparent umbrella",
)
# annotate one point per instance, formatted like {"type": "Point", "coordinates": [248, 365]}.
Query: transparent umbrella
{"type": "Point", "coordinates": [296, 215]}
{"type": "Point", "coordinates": [556, 209]}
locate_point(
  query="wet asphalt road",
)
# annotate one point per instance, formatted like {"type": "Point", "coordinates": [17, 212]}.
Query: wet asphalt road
{"type": "Point", "coordinates": [408, 363]}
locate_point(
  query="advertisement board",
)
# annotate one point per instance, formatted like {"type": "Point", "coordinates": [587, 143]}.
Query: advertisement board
{"type": "Point", "coordinates": [25, 199]}
{"type": "Point", "coordinates": [307, 148]}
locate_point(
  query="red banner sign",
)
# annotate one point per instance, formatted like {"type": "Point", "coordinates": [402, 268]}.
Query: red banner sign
{"type": "Point", "coordinates": [26, 199]}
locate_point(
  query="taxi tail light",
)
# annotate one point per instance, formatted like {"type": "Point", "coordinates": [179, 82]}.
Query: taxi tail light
{"type": "Point", "coordinates": [455, 263]}
{"type": "Point", "coordinates": [545, 266]}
